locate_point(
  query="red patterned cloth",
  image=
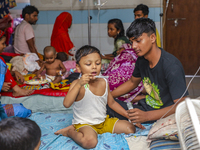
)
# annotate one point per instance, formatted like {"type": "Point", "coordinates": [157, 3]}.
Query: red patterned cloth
{"type": "Point", "coordinates": [1, 33]}
{"type": "Point", "coordinates": [47, 92]}
{"type": "Point", "coordinates": [8, 76]}
{"type": "Point", "coordinates": [9, 110]}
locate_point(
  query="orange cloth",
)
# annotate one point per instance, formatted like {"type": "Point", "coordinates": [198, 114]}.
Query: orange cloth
{"type": "Point", "coordinates": [60, 39]}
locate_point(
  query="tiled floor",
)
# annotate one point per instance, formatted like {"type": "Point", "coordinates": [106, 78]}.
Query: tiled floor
{"type": "Point", "coordinates": [194, 88]}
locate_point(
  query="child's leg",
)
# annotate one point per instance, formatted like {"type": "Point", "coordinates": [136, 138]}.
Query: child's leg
{"type": "Point", "coordinates": [57, 79]}
{"type": "Point", "coordinates": [86, 137]}
{"type": "Point", "coordinates": [123, 126]}
{"type": "Point", "coordinates": [64, 130]}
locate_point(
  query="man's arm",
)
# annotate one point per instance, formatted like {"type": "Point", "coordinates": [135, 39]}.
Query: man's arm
{"type": "Point", "coordinates": [31, 45]}
{"type": "Point", "coordinates": [138, 116]}
{"type": "Point", "coordinates": [107, 56]}
{"type": "Point", "coordinates": [126, 87]}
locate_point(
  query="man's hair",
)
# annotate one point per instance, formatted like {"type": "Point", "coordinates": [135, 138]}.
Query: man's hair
{"type": "Point", "coordinates": [140, 26]}
{"type": "Point", "coordinates": [84, 51]}
{"type": "Point", "coordinates": [143, 8]}
{"type": "Point", "coordinates": [48, 49]}
{"type": "Point", "coordinates": [19, 133]}
{"type": "Point", "coordinates": [62, 56]}
{"type": "Point", "coordinates": [29, 9]}
{"type": "Point", "coordinates": [118, 25]}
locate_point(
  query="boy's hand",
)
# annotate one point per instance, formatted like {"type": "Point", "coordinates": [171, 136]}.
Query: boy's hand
{"type": "Point", "coordinates": [85, 79]}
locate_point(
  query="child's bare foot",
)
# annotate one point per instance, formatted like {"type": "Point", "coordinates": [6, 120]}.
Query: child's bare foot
{"type": "Point", "coordinates": [64, 130]}
{"type": "Point", "coordinates": [17, 91]}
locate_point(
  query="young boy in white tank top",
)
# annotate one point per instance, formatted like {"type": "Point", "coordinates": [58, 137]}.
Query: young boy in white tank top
{"type": "Point", "coordinates": [90, 96]}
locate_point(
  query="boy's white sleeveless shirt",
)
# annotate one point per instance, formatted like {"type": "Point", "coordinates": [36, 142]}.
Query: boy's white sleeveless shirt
{"type": "Point", "coordinates": [91, 109]}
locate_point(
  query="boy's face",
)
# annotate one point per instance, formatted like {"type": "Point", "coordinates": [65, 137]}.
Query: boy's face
{"type": "Point", "coordinates": [90, 64]}
{"type": "Point", "coordinates": [49, 57]}
{"type": "Point", "coordinates": [139, 14]}
{"type": "Point", "coordinates": [2, 44]}
{"type": "Point", "coordinates": [143, 44]}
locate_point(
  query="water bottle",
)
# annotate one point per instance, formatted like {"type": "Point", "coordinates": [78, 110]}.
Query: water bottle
{"type": "Point", "coordinates": [130, 106]}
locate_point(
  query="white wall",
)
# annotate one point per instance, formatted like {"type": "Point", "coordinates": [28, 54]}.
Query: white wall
{"type": "Point", "coordinates": [77, 5]}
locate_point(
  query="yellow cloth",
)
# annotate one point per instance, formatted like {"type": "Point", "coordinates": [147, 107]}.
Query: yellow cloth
{"type": "Point", "coordinates": [158, 41]}
{"type": "Point", "coordinates": [60, 86]}
{"type": "Point", "coordinates": [106, 126]}
{"type": "Point", "coordinates": [29, 77]}
{"type": "Point", "coordinates": [9, 65]}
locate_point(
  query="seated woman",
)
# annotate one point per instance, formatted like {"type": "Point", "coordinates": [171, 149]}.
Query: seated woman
{"type": "Point", "coordinates": [9, 83]}
{"type": "Point", "coordinates": [116, 31]}
{"type": "Point", "coordinates": [120, 70]}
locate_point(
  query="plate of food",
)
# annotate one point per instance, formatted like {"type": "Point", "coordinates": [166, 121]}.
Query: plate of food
{"type": "Point", "coordinates": [36, 81]}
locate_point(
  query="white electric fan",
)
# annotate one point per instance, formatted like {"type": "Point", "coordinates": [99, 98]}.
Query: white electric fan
{"type": "Point", "coordinates": [188, 123]}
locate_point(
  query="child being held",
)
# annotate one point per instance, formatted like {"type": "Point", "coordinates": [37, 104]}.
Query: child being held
{"type": "Point", "coordinates": [90, 96]}
{"type": "Point", "coordinates": [69, 64]}
{"type": "Point", "coordinates": [54, 67]}
{"type": "Point", "coordinates": [19, 133]}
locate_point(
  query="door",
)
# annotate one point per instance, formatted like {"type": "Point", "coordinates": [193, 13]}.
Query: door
{"type": "Point", "coordinates": [182, 33]}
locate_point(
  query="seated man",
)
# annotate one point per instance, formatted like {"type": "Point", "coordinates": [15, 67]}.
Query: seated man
{"type": "Point", "coordinates": [142, 11]}
{"type": "Point", "coordinates": [162, 75]}
{"type": "Point", "coordinates": [24, 38]}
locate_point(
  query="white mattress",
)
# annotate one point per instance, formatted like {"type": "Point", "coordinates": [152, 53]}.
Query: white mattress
{"type": "Point", "coordinates": [38, 103]}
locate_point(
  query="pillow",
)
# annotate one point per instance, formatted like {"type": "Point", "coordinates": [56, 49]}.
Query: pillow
{"type": "Point", "coordinates": [16, 110]}
{"type": "Point", "coordinates": [165, 128]}
{"type": "Point", "coordinates": [165, 145]}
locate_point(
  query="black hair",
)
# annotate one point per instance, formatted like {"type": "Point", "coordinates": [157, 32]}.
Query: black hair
{"type": "Point", "coordinates": [49, 49]}
{"type": "Point", "coordinates": [19, 134]}
{"type": "Point", "coordinates": [84, 51]}
{"type": "Point", "coordinates": [2, 37]}
{"type": "Point", "coordinates": [140, 26]}
{"type": "Point", "coordinates": [118, 25]}
{"type": "Point", "coordinates": [29, 9]}
{"type": "Point", "coordinates": [143, 8]}
{"type": "Point", "coordinates": [62, 56]}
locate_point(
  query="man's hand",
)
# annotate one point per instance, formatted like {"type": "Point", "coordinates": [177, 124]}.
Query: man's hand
{"type": "Point", "coordinates": [137, 116]}
{"type": "Point", "coordinates": [6, 86]}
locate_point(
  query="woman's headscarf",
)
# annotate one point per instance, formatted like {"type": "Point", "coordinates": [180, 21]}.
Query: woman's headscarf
{"type": "Point", "coordinates": [60, 39]}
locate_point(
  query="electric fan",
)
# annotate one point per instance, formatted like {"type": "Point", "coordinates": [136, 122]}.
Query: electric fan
{"type": "Point", "coordinates": [187, 119]}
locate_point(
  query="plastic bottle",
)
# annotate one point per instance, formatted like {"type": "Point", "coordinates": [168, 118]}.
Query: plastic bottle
{"type": "Point", "coordinates": [130, 106]}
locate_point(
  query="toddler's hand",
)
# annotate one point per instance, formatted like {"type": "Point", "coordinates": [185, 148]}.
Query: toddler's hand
{"type": "Point", "coordinates": [39, 76]}
{"type": "Point", "coordinates": [59, 72]}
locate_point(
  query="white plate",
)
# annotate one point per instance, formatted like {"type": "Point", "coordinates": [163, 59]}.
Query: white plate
{"type": "Point", "coordinates": [36, 82]}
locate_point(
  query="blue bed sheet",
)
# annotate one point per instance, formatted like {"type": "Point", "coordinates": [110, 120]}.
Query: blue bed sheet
{"type": "Point", "coordinates": [49, 123]}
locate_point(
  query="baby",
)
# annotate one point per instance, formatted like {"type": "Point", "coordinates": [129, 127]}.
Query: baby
{"type": "Point", "coordinates": [54, 67]}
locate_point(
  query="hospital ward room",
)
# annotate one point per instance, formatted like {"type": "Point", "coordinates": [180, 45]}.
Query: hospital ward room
{"type": "Point", "coordinates": [99, 75]}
